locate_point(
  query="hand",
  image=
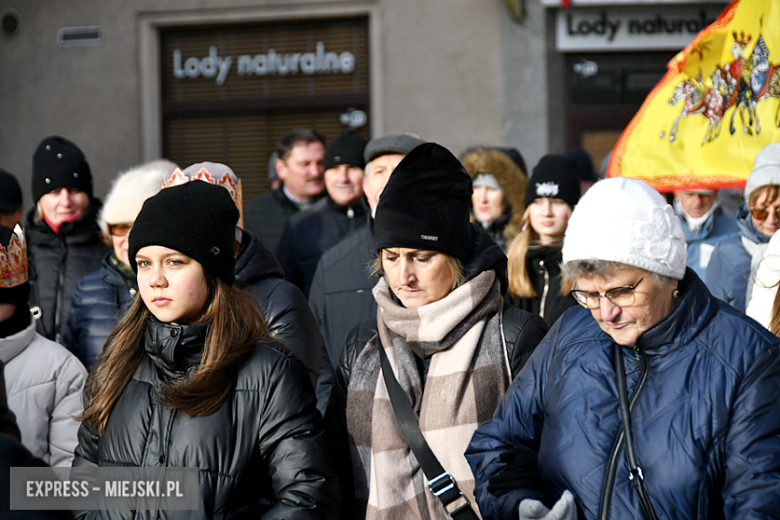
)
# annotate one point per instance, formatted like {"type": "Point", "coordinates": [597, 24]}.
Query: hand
{"type": "Point", "coordinates": [564, 509]}
{"type": "Point", "coordinates": [521, 472]}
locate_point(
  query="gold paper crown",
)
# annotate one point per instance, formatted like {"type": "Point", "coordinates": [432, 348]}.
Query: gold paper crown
{"type": "Point", "coordinates": [13, 263]}
{"type": "Point", "coordinates": [236, 193]}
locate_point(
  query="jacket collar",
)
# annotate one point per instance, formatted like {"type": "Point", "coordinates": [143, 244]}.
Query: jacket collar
{"type": "Point", "coordinates": [175, 350]}
{"type": "Point", "coordinates": [12, 346]}
{"type": "Point", "coordinates": [693, 312]}
{"type": "Point", "coordinates": [255, 261]}
{"type": "Point", "coordinates": [746, 227]}
{"type": "Point", "coordinates": [355, 209]}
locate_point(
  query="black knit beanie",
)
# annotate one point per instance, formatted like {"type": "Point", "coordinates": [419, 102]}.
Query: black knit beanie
{"type": "Point", "coordinates": [556, 177]}
{"type": "Point", "coordinates": [426, 203]}
{"type": "Point", "coordinates": [14, 287]}
{"type": "Point", "coordinates": [197, 219]}
{"type": "Point", "coordinates": [345, 148]}
{"type": "Point", "coordinates": [58, 163]}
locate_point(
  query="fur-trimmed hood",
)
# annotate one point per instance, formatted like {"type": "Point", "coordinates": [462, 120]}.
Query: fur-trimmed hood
{"type": "Point", "coordinates": [511, 178]}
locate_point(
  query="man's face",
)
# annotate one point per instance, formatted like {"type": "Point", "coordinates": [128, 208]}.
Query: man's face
{"type": "Point", "coordinates": [378, 172]}
{"type": "Point", "coordinates": [344, 183]}
{"type": "Point", "coordinates": [302, 171]}
{"type": "Point", "coordinates": [696, 204]}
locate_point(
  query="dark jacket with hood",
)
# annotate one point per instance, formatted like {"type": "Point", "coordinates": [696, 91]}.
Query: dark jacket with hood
{"type": "Point", "coordinates": [312, 232]}
{"type": "Point", "coordinates": [522, 331]}
{"type": "Point", "coordinates": [340, 298]}
{"type": "Point", "coordinates": [544, 271]}
{"type": "Point", "coordinates": [57, 262]}
{"type": "Point", "coordinates": [730, 265]}
{"type": "Point", "coordinates": [95, 309]}
{"type": "Point", "coordinates": [284, 306]}
{"type": "Point", "coordinates": [703, 383]}
{"type": "Point", "coordinates": [260, 455]}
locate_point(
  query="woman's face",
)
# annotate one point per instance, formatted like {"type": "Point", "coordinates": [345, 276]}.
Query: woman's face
{"type": "Point", "coordinates": [488, 203]}
{"type": "Point", "coordinates": [172, 285]}
{"type": "Point", "coordinates": [416, 277]}
{"type": "Point", "coordinates": [120, 239]}
{"type": "Point", "coordinates": [64, 205]}
{"type": "Point", "coordinates": [768, 225]}
{"type": "Point", "coordinates": [626, 324]}
{"type": "Point", "coordinates": [549, 218]}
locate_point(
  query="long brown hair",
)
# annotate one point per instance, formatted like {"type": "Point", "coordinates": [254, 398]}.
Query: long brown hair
{"type": "Point", "coordinates": [519, 282]}
{"type": "Point", "coordinates": [235, 327]}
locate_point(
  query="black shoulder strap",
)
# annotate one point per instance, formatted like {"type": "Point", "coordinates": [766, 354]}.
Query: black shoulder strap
{"type": "Point", "coordinates": [441, 484]}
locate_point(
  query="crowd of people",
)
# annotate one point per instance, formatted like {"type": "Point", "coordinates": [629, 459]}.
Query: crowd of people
{"type": "Point", "coordinates": [393, 332]}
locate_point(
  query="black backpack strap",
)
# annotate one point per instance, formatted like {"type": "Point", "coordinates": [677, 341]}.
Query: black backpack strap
{"type": "Point", "coordinates": [441, 484]}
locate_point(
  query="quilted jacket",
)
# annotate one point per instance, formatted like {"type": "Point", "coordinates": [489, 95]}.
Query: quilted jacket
{"type": "Point", "coordinates": [705, 423]}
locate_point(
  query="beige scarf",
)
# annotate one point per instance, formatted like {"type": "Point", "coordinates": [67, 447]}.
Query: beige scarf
{"type": "Point", "coordinates": [468, 374]}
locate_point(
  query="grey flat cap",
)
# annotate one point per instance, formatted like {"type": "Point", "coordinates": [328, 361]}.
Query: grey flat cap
{"type": "Point", "coordinates": [396, 143]}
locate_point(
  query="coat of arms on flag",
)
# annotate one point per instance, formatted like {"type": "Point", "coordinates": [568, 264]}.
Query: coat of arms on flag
{"type": "Point", "coordinates": [716, 107]}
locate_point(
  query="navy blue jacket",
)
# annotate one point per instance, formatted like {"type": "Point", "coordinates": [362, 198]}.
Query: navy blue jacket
{"type": "Point", "coordinates": [705, 424]}
{"type": "Point", "coordinates": [94, 310]}
{"type": "Point", "coordinates": [729, 269]}
{"type": "Point", "coordinates": [312, 232]}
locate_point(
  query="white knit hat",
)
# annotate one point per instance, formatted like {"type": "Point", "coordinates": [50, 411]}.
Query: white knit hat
{"type": "Point", "coordinates": [626, 221]}
{"type": "Point", "coordinates": [129, 191]}
{"type": "Point", "coordinates": [765, 171]}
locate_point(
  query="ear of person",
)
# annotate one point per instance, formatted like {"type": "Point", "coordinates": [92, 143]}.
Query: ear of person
{"type": "Point", "coordinates": [564, 509]}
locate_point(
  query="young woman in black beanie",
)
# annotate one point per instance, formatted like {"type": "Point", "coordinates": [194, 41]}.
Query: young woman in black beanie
{"type": "Point", "coordinates": [446, 335]}
{"type": "Point", "coordinates": [535, 282]}
{"type": "Point", "coordinates": [63, 237]}
{"type": "Point", "coordinates": [191, 378]}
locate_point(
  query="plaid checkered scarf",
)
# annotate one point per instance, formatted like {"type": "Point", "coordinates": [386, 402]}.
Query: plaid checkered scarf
{"type": "Point", "coordinates": [468, 375]}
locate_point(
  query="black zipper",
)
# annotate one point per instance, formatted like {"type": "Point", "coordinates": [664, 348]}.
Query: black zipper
{"type": "Point", "coordinates": [609, 480]}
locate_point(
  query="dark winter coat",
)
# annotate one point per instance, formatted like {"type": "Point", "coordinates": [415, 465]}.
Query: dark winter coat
{"type": "Point", "coordinates": [730, 265]}
{"type": "Point", "coordinates": [544, 272]}
{"type": "Point", "coordinates": [259, 455]}
{"type": "Point", "coordinates": [495, 228]}
{"type": "Point", "coordinates": [706, 431]}
{"type": "Point", "coordinates": [284, 306]}
{"type": "Point", "coordinates": [57, 262]}
{"type": "Point", "coordinates": [95, 310]}
{"type": "Point", "coordinates": [341, 298]}
{"type": "Point", "coordinates": [266, 215]}
{"type": "Point", "coordinates": [522, 332]}
{"type": "Point", "coordinates": [309, 234]}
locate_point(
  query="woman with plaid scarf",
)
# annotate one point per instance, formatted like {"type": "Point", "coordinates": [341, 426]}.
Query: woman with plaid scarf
{"type": "Point", "coordinates": [452, 345]}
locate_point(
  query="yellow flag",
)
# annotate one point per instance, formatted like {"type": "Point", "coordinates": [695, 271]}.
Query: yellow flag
{"type": "Point", "coordinates": [715, 108]}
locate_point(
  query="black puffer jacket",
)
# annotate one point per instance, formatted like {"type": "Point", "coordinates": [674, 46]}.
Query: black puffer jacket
{"type": "Point", "coordinates": [260, 455]}
{"type": "Point", "coordinates": [95, 310]}
{"type": "Point", "coordinates": [523, 331]}
{"type": "Point", "coordinates": [544, 272]}
{"type": "Point", "coordinates": [57, 262]}
{"type": "Point", "coordinates": [284, 306]}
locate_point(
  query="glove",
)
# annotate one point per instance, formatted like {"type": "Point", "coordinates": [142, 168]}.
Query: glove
{"type": "Point", "coordinates": [564, 509]}
{"type": "Point", "coordinates": [521, 472]}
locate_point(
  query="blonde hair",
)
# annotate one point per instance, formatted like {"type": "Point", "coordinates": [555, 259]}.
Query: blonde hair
{"type": "Point", "coordinates": [517, 252]}
{"type": "Point", "coordinates": [457, 270]}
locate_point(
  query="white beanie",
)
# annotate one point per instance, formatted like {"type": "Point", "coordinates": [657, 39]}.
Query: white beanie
{"type": "Point", "coordinates": [625, 220]}
{"type": "Point", "coordinates": [128, 193]}
{"type": "Point", "coordinates": [765, 171]}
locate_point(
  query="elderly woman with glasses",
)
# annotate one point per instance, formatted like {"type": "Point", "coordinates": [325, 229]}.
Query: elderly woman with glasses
{"type": "Point", "coordinates": [732, 269]}
{"type": "Point", "coordinates": [652, 399]}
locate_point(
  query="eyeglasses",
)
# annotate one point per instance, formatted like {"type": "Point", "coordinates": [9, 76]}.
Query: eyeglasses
{"type": "Point", "coordinates": [763, 213]}
{"type": "Point", "coordinates": [119, 230]}
{"type": "Point", "coordinates": [620, 296]}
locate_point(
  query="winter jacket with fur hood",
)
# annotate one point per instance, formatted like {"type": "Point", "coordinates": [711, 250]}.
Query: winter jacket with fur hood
{"type": "Point", "coordinates": [260, 455]}
{"type": "Point", "coordinates": [514, 182]}
{"type": "Point", "coordinates": [57, 262]}
{"type": "Point", "coordinates": [44, 383]}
